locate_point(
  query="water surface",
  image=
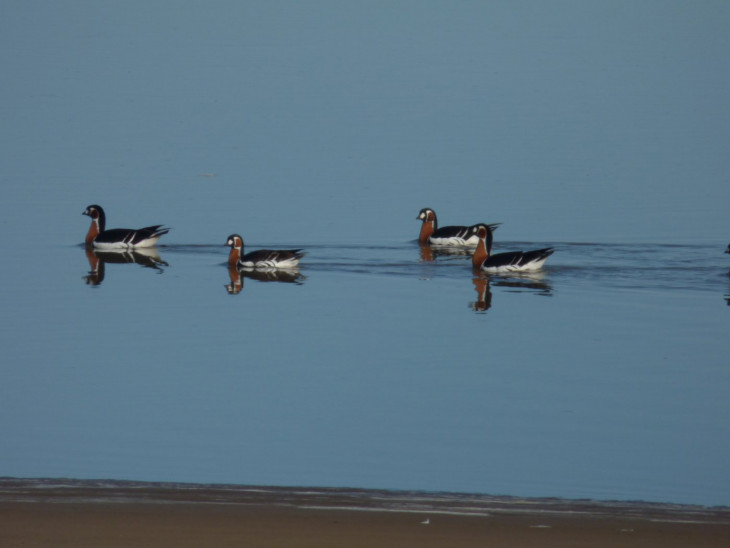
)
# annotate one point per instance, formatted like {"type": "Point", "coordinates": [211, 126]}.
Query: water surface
{"type": "Point", "coordinates": [598, 128]}
{"type": "Point", "coordinates": [379, 369]}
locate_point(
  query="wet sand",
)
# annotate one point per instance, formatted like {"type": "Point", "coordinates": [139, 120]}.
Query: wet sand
{"type": "Point", "coordinates": [120, 514]}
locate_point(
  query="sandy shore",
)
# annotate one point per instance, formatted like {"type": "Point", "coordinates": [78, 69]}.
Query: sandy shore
{"type": "Point", "coordinates": [115, 514]}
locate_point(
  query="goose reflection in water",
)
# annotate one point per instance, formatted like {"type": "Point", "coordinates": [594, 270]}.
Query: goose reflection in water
{"type": "Point", "coordinates": [516, 284]}
{"type": "Point", "coordinates": [289, 275]}
{"type": "Point", "coordinates": [430, 253]}
{"type": "Point", "coordinates": [727, 297]}
{"type": "Point", "coordinates": [146, 257]}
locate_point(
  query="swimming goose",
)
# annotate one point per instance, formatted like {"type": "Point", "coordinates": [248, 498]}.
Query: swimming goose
{"type": "Point", "coordinates": [262, 258]}
{"type": "Point", "coordinates": [119, 238]}
{"type": "Point", "coordinates": [447, 235]}
{"type": "Point", "coordinates": [512, 261]}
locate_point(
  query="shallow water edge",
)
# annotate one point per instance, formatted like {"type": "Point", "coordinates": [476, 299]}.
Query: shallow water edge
{"type": "Point", "coordinates": [65, 490]}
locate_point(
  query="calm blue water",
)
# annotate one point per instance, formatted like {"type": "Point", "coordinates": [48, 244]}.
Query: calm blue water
{"type": "Point", "coordinates": [599, 129]}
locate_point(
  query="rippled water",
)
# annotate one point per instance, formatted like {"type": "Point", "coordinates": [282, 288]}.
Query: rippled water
{"type": "Point", "coordinates": [601, 130]}
{"type": "Point", "coordinates": [602, 377]}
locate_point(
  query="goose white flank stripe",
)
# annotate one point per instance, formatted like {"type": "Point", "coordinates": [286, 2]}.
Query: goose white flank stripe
{"type": "Point", "coordinates": [262, 258]}
{"type": "Point", "coordinates": [512, 261]}
{"type": "Point", "coordinates": [447, 235]}
{"type": "Point", "coordinates": [119, 238]}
